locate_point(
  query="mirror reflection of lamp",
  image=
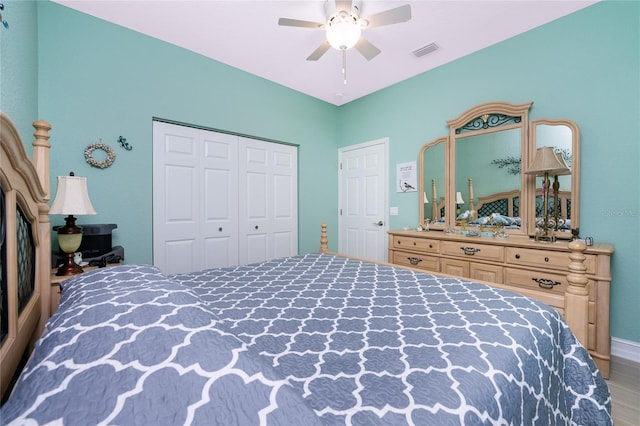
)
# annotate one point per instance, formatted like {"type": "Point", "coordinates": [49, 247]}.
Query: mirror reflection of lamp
{"type": "Point", "coordinates": [459, 201]}
{"type": "Point", "coordinates": [72, 198]}
{"type": "Point", "coordinates": [545, 163]}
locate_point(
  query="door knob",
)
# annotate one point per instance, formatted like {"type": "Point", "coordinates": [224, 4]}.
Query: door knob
{"type": "Point", "coordinates": [379, 223]}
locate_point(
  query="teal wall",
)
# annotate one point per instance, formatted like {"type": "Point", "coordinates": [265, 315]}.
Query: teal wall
{"type": "Point", "coordinates": [19, 66]}
{"type": "Point", "coordinates": [97, 80]}
{"type": "Point", "coordinates": [584, 67]}
{"type": "Point", "coordinates": [100, 81]}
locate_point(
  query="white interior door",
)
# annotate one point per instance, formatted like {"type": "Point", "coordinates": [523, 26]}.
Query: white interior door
{"type": "Point", "coordinates": [195, 207]}
{"type": "Point", "coordinates": [268, 200]}
{"type": "Point", "coordinates": [363, 200]}
{"type": "Point", "coordinates": [219, 202]}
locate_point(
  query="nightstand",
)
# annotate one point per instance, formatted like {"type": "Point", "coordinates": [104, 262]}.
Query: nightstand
{"type": "Point", "coordinates": [55, 285]}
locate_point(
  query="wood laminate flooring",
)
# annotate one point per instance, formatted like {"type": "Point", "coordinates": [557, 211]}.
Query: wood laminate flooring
{"type": "Point", "coordinates": [624, 384]}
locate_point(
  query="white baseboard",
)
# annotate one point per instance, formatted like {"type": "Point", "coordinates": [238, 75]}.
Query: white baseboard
{"type": "Point", "coordinates": [625, 349]}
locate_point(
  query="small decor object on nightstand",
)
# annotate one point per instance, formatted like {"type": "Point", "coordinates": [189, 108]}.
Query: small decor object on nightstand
{"type": "Point", "coordinates": [72, 198]}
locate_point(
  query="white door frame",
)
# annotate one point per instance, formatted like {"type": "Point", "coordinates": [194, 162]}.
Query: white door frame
{"type": "Point", "coordinates": [385, 227]}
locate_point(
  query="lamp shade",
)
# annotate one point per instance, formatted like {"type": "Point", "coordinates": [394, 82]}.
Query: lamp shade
{"type": "Point", "coordinates": [546, 161]}
{"type": "Point", "coordinates": [425, 199]}
{"type": "Point", "coordinates": [343, 31]}
{"type": "Point", "coordinates": [459, 199]}
{"type": "Point", "coordinates": [564, 164]}
{"type": "Point", "coordinates": [72, 197]}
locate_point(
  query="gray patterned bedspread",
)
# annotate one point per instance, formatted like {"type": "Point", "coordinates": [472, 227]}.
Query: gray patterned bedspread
{"type": "Point", "coordinates": [311, 338]}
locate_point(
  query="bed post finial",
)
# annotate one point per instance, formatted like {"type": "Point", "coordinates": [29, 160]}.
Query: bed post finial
{"type": "Point", "coordinates": [576, 299]}
{"type": "Point", "coordinates": [324, 242]}
{"type": "Point", "coordinates": [40, 155]}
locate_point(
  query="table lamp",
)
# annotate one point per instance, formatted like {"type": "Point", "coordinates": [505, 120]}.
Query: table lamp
{"type": "Point", "coordinates": [459, 201]}
{"type": "Point", "coordinates": [546, 163]}
{"type": "Point", "coordinates": [72, 198]}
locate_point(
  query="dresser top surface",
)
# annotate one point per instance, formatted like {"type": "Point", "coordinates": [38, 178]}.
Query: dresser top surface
{"type": "Point", "coordinates": [512, 241]}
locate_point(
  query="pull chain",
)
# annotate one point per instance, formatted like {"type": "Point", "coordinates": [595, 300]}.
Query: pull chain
{"type": "Point", "coordinates": [344, 65]}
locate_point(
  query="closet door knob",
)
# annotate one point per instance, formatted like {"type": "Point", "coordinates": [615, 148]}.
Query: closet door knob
{"type": "Point", "coordinates": [220, 229]}
{"type": "Point", "coordinates": [256, 226]}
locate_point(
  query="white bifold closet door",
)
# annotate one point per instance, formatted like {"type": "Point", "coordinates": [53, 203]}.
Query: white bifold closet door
{"type": "Point", "coordinates": [268, 200]}
{"type": "Point", "coordinates": [221, 200]}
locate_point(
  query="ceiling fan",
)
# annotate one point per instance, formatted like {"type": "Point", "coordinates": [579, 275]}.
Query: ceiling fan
{"type": "Point", "coordinates": [344, 28]}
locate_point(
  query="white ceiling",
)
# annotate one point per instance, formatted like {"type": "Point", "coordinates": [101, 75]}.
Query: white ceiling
{"type": "Point", "coordinates": [245, 34]}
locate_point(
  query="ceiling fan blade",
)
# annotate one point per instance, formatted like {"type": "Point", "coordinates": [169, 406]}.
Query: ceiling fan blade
{"type": "Point", "coordinates": [286, 22]}
{"type": "Point", "coordinates": [388, 17]}
{"type": "Point", "coordinates": [317, 54]}
{"type": "Point", "coordinates": [368, 50]}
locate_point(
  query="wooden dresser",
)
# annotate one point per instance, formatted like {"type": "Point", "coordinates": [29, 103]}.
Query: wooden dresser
{"type": "Point", "coordinates": [538, 270]}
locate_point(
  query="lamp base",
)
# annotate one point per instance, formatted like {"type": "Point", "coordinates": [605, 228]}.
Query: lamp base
{"type": "Point", "coordinates": [69, 267]}
{"type": "Point", "coordinates": [545, 237]}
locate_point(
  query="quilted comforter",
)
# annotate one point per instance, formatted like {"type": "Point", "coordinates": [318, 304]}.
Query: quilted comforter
{"type": "Point", "coordinates": [311, 339]}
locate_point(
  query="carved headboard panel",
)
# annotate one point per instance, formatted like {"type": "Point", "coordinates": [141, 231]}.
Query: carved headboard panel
{"type": "Point", "coordinates": [25, 245]}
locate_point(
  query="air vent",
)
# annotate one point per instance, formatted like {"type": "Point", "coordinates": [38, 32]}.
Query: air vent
{"type": "Point", "coordinates": [425, 50]}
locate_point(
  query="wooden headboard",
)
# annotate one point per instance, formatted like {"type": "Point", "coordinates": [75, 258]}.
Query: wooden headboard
{"type": "Point", "coordinates": [508, 203]}
{"type": "Point", "coordinates": [25, 245]}
{"type": "Point", "coordinates": [505, 203]}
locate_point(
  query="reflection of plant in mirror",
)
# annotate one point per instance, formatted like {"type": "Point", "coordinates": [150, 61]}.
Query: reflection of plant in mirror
{"type": "Point", "coordinates": [512, 164]}
{"type": "Point", "coordinates": [566, 155]}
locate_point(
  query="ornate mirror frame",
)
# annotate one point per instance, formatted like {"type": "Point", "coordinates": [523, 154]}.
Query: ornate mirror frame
{"type": "Point", "coordinates": [490, 118]}
{"type": "Point", "coordinates": [538, 141]}
{"type": "Point", "coordinates": [483, 120]}
{"type": "Point", "coordinates": [428, 183]}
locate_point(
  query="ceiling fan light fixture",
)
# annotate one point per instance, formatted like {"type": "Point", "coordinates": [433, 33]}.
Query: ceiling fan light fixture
{"type": "Point", "coordinates": [343, 31]}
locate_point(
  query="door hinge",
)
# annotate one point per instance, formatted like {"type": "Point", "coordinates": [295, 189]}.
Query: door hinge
{"type": "Point", "coordinates": [341, 165]}
{"type": "Point", "coordinates": [340, 212]}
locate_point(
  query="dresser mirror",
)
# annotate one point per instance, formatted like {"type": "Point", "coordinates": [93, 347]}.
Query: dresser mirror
{"type": "Point", "coordinates": [483, 159]}
{"type": "Point", "coordinates": [564, 137]}
{"type": "Point", "coordinates": [431, 184]}
{"type": "Point", "coordinates": [487, 166]}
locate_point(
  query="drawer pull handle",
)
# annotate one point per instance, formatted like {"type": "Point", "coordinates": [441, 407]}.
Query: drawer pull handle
{"type": "Point", "coordinates": [546, 259]}
{"type": "Point", "coordinates": [414, 260]}
{"type": "Point", "coordinates": [546, 283]}
{"type": "Point", "coordinates": [469, 251]}
{"type": "Point", "coordinates": [517, 256]}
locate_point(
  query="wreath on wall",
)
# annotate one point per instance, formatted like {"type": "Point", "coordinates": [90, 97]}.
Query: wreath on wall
{"type": "Point", "coordinates": [110, 158]}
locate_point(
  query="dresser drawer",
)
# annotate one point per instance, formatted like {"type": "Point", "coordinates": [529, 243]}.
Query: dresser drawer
{"type": "Point", "coordinates": [541, 280]}
{"type": "Point", "coordinates": [421, 244]}
{"type": "Point", "coordinates": [416, 260]}
{"type": "Point", "coordinates": [484, 272]}
{"type": "Point", "coordinates": [472, 251]}
{"type": "Point", "coordinates": [458, 268]}
{"type": "Point", "coordinates": [546, 259]}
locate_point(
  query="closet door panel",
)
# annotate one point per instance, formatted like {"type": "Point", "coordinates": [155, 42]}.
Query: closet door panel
{"type": "Point", "coordinates": [285, 207]}
{"type": "Point", "coordinates": [219, 199]}
{"type": "Point", "coordinates": [268, 201]}
{"type": "Point", "coordinates": [255, 200]}
{"type": "Point", "coordinates": [176, 199]}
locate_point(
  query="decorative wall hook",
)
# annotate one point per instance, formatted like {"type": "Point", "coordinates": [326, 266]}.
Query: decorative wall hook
{"type": "Point", "coordinates": [123, 143]}
{"type": "Point", "coordinates": [4, 22]}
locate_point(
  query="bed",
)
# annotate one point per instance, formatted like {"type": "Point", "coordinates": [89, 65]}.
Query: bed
{"type": "Point", "coordinates": [316, 338]}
